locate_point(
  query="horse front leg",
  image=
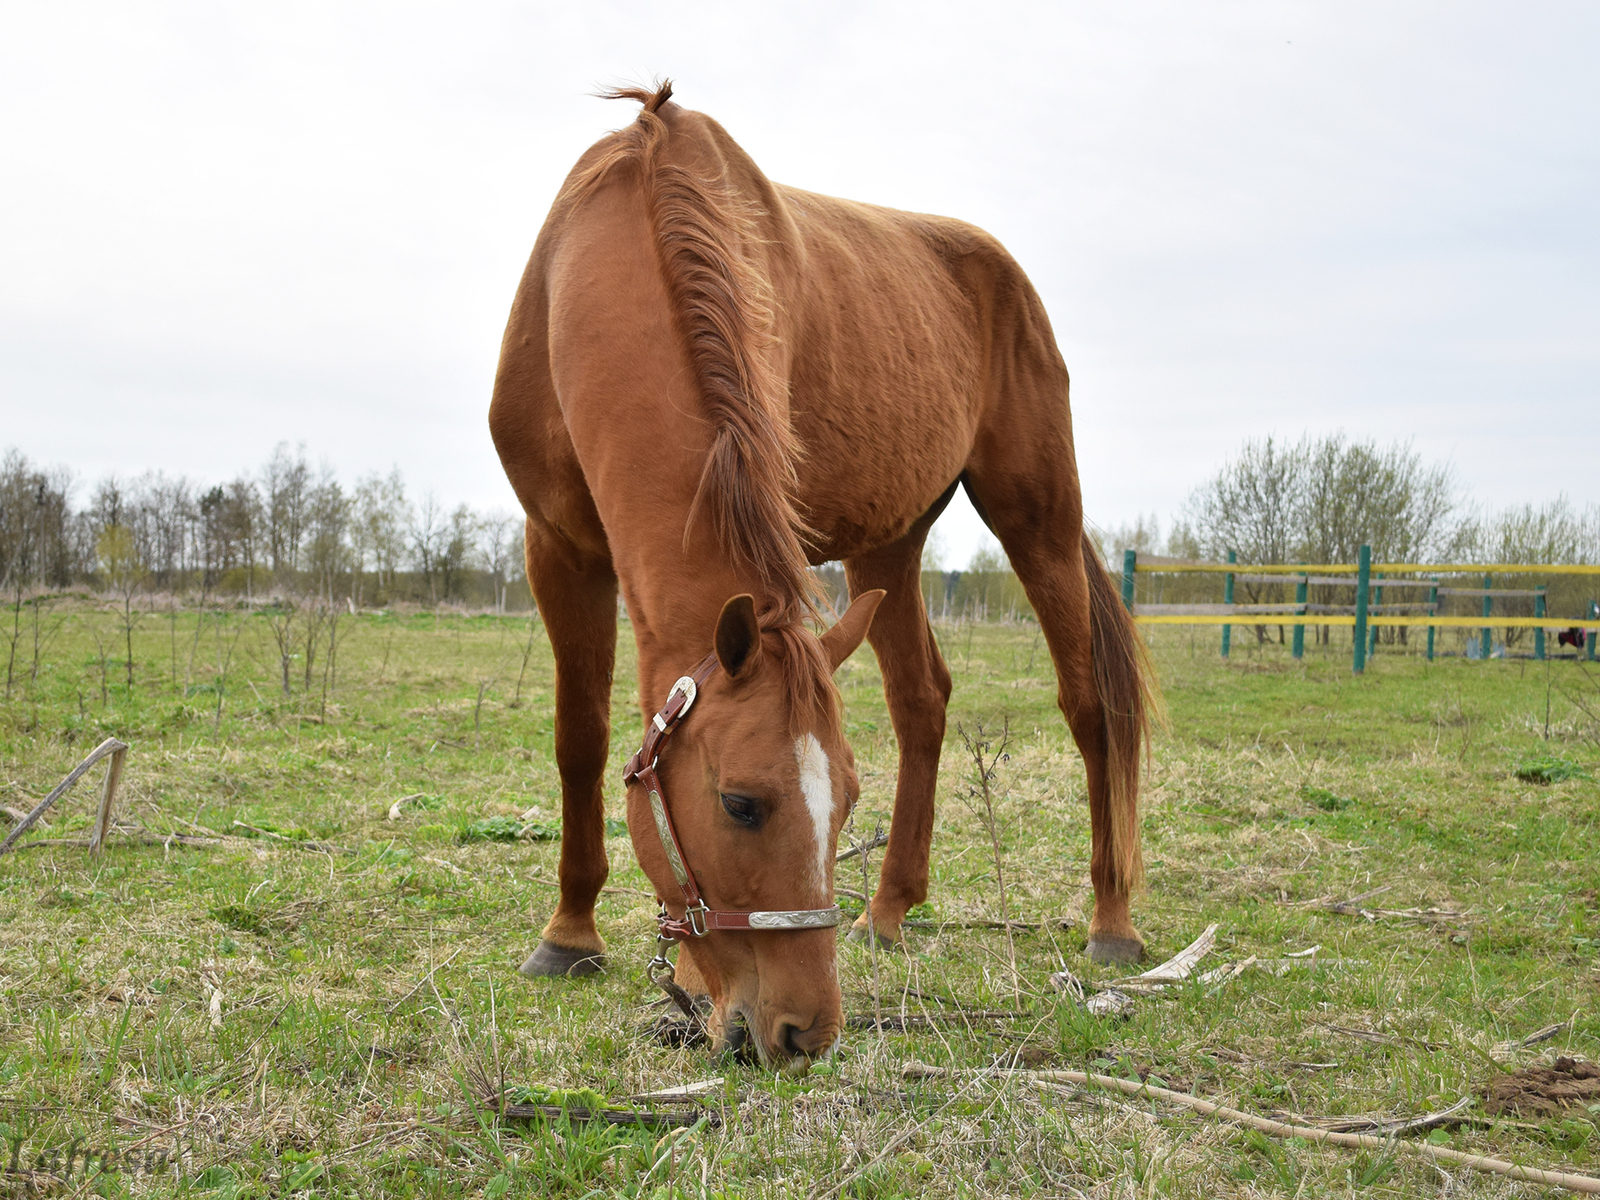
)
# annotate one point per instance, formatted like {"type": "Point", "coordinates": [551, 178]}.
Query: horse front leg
{"type": "Point", "coordinates": [916, 685]}
{"type": "Point", "coordinates": [578, 600]}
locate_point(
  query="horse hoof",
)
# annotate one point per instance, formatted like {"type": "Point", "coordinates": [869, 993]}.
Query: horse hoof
{"type": "Point", "coordinates": [860, 933]}
{"type": "Point", "coordinates": [1115, 949]}
{"type": "Point", "coordinates": [551, 961]}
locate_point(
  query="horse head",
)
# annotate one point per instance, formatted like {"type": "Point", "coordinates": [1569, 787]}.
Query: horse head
{"type": "Point", "coordinates": [754, 787]}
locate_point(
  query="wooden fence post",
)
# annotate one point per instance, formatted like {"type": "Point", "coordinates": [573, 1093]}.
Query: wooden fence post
{"type": "Point", "coordinates": [1488, 601]}
{"type": "Point", "coordinates": [1130, 564]}
{"type": "Point", "coordinates": [1300, 630]}
{"type": "Point", "coordinates": [1433, 603]}
{"type": "Point", "coordinates": [1538, 634]}
{"type": "Point", "coordinates": [1227, 598]}
{"type": "Point", "coordinates": [1358, 645]}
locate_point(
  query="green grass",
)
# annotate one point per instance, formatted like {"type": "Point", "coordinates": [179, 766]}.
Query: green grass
{"type": "Point", "coordinates": [364, 994]}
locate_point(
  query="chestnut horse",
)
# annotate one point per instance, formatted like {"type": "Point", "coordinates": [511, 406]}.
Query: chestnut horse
{"type": "Point", "coordinates": [708, 383]}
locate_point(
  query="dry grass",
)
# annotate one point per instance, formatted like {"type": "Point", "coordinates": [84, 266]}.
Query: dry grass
{"type": "Point", "coordinates": [365, 998]}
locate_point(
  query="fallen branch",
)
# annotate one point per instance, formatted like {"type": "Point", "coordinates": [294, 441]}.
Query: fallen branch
{"type": "Point", "coordinates": [1588, 1184]}
{"type": "Point", "coordinates": [684, 1092]}
{"type": "Point", "coordinates": [1177, 968]}
{"type": "Point", "coordinates": [1533, 1039]}
{"type": "Point", "coordinates": [1382, 1039]}
{"type": "Point", "coordinates": [138, 837]}
{"type": "Point", "coordinates": [1354, 908]}
{"type": "Point", "coordinates": [895, 1023]}
{"type": "Point", "coordinates": [1350, 906]}
{"type": "Point", "coordinates": [117, 751]}
{"type": "Point", "coordinates": [610, 1116]}
{"type": "Point", "coordinates": [1119, 1002]}
{"type": "Point", "coordinates": [1394, 1126]}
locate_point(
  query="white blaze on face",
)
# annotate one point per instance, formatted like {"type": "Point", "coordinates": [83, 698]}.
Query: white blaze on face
{"type": "Point", "coordinates": [816, 785]}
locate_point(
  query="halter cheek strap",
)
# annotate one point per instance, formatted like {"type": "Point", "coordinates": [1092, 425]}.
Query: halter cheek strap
{"type": "Point", "coordinates": [698, 918]}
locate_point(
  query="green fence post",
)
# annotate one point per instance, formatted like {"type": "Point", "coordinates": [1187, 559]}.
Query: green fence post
{"type": "Point", "coordinates": [1488, 601]}
{"type": "Point", "coordinates": [1300, 630]}
{"type": "Point", "coordinates": [1538, 634]}
{"type": "Point", "coordinates": [1359, 642]}
{"type": "Point", "coordinates": [1433, 604]}
{"type": "Point", "coordinates": [1227, 598]}
{"type": "Point", "coordinates": [1377, 600]}
{"type": "Point", "coordinates": [1130, 563]}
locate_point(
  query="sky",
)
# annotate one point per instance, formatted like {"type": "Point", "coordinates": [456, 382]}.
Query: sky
{"type": "Point", "coordinates": [229, 225]}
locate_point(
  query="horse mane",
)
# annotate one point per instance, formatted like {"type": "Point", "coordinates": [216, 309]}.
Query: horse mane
{"type": "Point", "coordinates": [723, 305]}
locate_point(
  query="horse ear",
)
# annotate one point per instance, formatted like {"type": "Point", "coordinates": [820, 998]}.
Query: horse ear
{"type": "Point", "coordinates": [841, 640]}
{"type": "Point", "coordinates": [738, 636]}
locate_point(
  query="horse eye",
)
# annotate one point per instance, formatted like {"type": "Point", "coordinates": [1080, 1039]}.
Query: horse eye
{"type": "Point", "coordinates": [742, 809]}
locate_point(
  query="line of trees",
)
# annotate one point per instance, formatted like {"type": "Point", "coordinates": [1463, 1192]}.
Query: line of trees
{"type": "Point", "coordinates": [284, 530]}
{"type": "Point", "coordinates": [1320, 499]}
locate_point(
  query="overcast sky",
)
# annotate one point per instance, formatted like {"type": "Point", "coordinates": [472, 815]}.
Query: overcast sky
{"type": "Point", "coordinates": [226, 224]}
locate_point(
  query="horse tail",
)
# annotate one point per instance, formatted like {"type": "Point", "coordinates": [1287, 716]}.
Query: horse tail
{"type": "Point", "coordinates": [723, 304]}
{"type": "Point", "coordinates": [1125, 680]}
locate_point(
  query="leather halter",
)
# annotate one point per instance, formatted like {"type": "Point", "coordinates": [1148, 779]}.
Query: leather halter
{"type": "Point", "coordinates": [698, 917]}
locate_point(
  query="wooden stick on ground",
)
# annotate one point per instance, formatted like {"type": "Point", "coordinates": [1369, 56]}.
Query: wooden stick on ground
{"type": "Point", "coordinates": [1587, 1184]}
{"type": "Point", "coordinates": [118, 751]}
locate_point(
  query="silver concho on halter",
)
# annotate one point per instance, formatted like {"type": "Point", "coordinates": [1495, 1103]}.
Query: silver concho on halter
{"type": "Point", "coordinates": [801, 918]}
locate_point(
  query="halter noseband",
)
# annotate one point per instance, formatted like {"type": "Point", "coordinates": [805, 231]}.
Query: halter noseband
{"type": "Point", "coordinates": [698, 918]}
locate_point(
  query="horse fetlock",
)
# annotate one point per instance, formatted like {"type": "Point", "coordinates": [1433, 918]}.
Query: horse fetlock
{"type": "Point", "coordinates": [574, 931]}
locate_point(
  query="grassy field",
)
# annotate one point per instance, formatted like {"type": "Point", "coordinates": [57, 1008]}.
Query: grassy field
{"type": "Point", "coordinates": [311, 1002]}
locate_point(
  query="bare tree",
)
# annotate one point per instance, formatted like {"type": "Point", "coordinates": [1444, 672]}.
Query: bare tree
{"type": "Point", "coordinates": [1254, 504]}
{"type": "Point", "coordinates": [328, 519]}
{"type": "Point", "coordinates": [1547, 533]}
{"type": "Point", "coordinates": [286, 485]}
{"type": "Point", "coordinates": [383, 516]}
{"type": "Point", "coordinates": [125, 572]}
{"type": "Point", "coordinates": [501, 536]}
{"type": "Point", "coordinates": [460, 548]}
{"type": "Point", "coordinates": [427, 533]}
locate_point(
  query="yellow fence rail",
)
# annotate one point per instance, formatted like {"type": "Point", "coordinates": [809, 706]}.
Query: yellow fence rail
{"type": "Point", "coordinates": [1159, 564]}
{"type": "Point", "coordinates": [1346, 619]}
{"type": "Point", "coordinates": [1363, 621]}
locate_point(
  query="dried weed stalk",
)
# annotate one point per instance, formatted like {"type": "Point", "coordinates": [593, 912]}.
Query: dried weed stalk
{"type": "Point", "coordinates": [987, 753]}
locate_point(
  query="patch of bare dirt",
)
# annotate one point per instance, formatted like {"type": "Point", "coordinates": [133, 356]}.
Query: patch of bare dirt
{"type": "Point", "coordinates": [1569, 1085]}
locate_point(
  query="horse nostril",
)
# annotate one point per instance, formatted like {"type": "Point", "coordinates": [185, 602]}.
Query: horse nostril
{"type": "Point", "coordinates": [790, 1040]}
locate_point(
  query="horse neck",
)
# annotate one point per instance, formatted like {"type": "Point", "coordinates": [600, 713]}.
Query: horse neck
{"type": "Point", "coordinates": [674, 600]}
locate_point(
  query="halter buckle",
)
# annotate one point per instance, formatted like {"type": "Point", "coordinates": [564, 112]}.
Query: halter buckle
{"type": "Point", "coordinates": [688, 689]}
{"type": "Point", "coordinates": [698, 917]}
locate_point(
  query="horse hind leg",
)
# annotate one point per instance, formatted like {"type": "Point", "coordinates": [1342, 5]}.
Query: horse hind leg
{"type": "Point", "coordinates": [1101, 691]}
{"type": "Point", "coordinates": [577, 598]}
